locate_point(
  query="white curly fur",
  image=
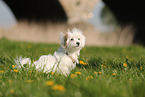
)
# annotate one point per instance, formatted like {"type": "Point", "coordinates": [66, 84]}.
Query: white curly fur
{"type": "Point", "coordinates": [64, 59]}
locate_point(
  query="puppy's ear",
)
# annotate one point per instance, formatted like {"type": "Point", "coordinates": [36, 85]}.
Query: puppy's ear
{"type": "Point", "coordinates": [63, 39]}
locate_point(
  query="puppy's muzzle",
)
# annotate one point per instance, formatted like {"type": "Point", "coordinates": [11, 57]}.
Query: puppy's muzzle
{"type": "Point", "coordinates": [78, 44]}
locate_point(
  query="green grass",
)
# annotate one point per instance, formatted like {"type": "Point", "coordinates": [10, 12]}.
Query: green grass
{"type": "Point", "coordinates": [104, 76]}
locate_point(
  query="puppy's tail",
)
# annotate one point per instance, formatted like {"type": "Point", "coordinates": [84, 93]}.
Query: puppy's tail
{"type": "Point", "coordinates": [20, 62]}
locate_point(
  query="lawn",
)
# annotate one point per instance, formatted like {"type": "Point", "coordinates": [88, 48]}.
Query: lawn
{"type": "Point", "coordinates": [109, 72]}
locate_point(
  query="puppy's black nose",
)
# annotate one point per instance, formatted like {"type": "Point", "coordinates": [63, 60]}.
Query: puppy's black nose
{"type": "Point", "coordinates": [78, 43]}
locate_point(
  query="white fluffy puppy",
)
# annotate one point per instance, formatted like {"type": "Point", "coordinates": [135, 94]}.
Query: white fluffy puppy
{"type": "Point", "coordinates": [64, 59]}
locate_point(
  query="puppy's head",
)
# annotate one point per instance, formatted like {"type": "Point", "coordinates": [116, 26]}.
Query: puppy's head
{"type": "Point", "coordinates": [73, 40]}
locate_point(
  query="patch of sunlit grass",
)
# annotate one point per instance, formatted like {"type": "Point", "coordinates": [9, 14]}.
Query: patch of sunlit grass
{"type": "Point", "coordinates": [112, 71]}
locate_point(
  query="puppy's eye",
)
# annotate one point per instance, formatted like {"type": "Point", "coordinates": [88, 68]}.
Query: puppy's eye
{"type": "Point", "coordinates": [78, 38]}
{"type": "Point", "coordinates": [72, 39]}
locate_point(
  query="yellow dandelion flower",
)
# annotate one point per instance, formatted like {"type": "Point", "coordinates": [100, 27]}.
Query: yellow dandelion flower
{"type": "Point", "coordinates": [89, 77]}
{"type": "Point", "coordinates": [79, 73]}
{"type": "Point", "coordinates": [140, 67]}
{"type": "Point", "coordinates": [2, 71]}
{"type": "Point", "coordinates": [13, 66]}
{"type": "Point", "coordinates": [16, 70]}
{"type": "Point", "coordinates": [28, 81]}
{"type": "Point", "coordinates": [114, 74]}
{"type": "Point", "coordinates": [103, 65]}
{"type": "Point", "coordinates": [124, 64]}
{"type": "Point", "coordinates": [85, 64]}
{"type": "Point", "coordinates": [56, 74]}
{"type": "Point", "coordinates": [58, 87]}
{"type": "Point", "coordinates": [99, 72]}
{"type": "Point", "coordinates": [73, 75]}
{"type": "Point", "coordinates": [81, 62]}
{"type": "Point", "coordinates": [12, 91]}
{"type": "Point", "coordinates": [52, 73]}
{"type": "Point", "coordinates": [49, 83]}
{"type": "Point", "coordinates": [95, 72]}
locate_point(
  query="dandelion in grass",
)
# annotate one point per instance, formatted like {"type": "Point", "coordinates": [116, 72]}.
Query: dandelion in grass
{"type": "Point", "coordinates": [103, 65]}
{"type": "Point", "coordinates": [13, 66]}
{"type": "Point", "coordinates": [2, 71]}
{"type": "Point", "coordinates": [99, 72]}
{"type": "Point", "coordinates": [81, 62]}
{"type": "Point", "coordinates": [79, 73]}
{"type": "Point", "coordinates": [12, 91]}
{"type": "Point", "coordinates": [124, 65]}
{"type": "Point", "coordinates": [28, 81]}
{"type": "Point", "coordinates": [89, 77]}
{"type": "Point", "coordinates": [95, 72]}
{"type": "Point", "coordinates": [52, 73]}
{"type": "Point", "coordinates": [49, 83]}
{"type": "Point", "coordinates": [114, 74]}
{"type": "Point", "coordinates": [85, 64]}
{"type": "Point", "coordinates": [140, 67]}
{"type": "Point", "coordinates": [16, 70]}
{"type": "Point", "coordinates": [73, 75]}
{"type": "Point", "coordinates": [59, 88]}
